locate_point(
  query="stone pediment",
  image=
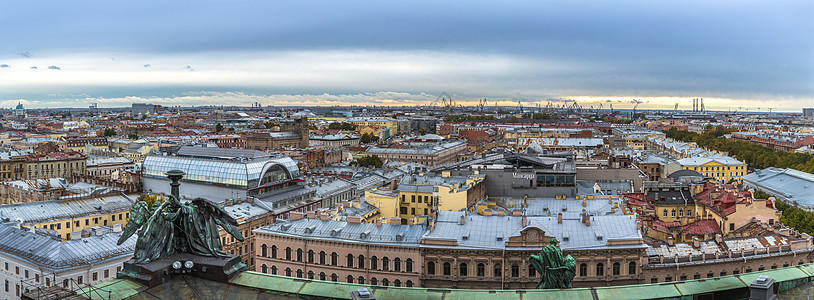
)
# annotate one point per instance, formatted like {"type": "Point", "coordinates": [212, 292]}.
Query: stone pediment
{"type": "Point", "coordinates": [531, 236]}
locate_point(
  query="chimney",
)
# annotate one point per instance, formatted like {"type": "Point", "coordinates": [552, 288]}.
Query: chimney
{"type": "Point", "coordinates": [117, 228]}
{"type": "Point", "coordinates": [345, 203]}
{"type": "Point", "coordinates": [310, 215]}
{"type": "Point", "coordinates": [354, 219]}
{"type": "Point", "coordinates": [394, 184]}
{"type": "Point", "coordinates": [524, 220]}
{"type": "Point", "coordinates": [463, 220]}
{"type": "Point", "coordinates": [295, 215]}
{"type": "Point", "coordinates": [670, 240]}
{"type": "Point", "coordinates": [379, 222]}
{"type": "Point", "coordinates": [587, 220]}
{"type": "Point", "coordinates": [411, 221]}
{"type": "Point", "coordinates": [32, 228]}
{"type": "Point", "coordinates": [559, 218]}
{"type": "Point", "coordinates": [324, 216]}
{"type": "Point", "coordinates": [718, 238]}
{"type": "Point", "coordinates": [395, 221]}
{"type": "Point", "coordinates": [695, 242]}
{"type": "Point", "coordinates": [76, 235]}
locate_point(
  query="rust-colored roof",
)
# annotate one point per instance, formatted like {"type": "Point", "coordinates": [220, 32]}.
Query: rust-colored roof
{"type": "Point", "coordinates": [701, 227]}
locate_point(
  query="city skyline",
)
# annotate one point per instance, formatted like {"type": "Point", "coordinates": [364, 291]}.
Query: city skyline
{"type": "Point", "coordinates": [735, 55]}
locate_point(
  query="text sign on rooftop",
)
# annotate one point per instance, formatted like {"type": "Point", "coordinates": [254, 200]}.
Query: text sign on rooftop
{"type": "Point", "coordinates": [528, 176]}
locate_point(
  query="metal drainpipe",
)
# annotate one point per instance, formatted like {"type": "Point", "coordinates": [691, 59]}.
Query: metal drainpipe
{"type": "Point", "coordinates": [503, 274]}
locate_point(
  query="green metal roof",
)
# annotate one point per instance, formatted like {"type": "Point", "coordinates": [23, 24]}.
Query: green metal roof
{"type": "Point", "coordinates": [284, 287]}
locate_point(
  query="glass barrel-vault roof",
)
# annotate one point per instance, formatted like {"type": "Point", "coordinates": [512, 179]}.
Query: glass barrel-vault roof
{"type": "Point", "coordinates": [239, 173]}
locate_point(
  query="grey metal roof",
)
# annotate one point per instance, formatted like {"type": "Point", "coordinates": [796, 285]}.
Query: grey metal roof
{"type": "Point", "coordinates": [570, 208]}
{"type": "Point", "coordinates": [57, 255]}
{"type": "Point", "coordinates": [786, 184]}
{"type": "Point", "coordinates": [482, 232]}
{"type": "Point", "coordinates": [368, 233]}
{"type": "Point", "coordinates": [53, 210]}
{"type": "Point", "coordinates": [587, 187]}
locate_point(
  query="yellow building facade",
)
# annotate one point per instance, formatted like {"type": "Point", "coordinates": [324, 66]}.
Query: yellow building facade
{"type": "Point", "coordinates": [722, 168]}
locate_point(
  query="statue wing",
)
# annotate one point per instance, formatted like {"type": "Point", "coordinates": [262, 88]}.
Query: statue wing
{"type": "Point", "coordinates": [221, 217]}
{"type": "Point", "coordinates": [138, 216]}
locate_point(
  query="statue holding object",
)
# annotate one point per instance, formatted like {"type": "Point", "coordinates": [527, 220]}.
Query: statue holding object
{"type": "Point", "coordinates": [555, 271]}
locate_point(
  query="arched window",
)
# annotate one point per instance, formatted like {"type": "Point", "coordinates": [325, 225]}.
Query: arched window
{"type": "Point", "coordinates": [615, 268]}
{"type": "Point", "coordinates": [334, 277]}
{"type": "Point", "coordinates": [385, 264]}
{"type": "Point", "coordinates": [361, 261]}
{"type": "Point", "coordinates": [288, 272]}
{"type": "Point", "coordinates": [264, 269]}
{"type": "Point", "coordinates": [397, 264]}
{"type": "Point", "coordinates": [273, 270]}
{"type": "Point", "coordinates": [310, 256]}
{"type": "Point", "coordinates": [665, 212]}
{"type": "Point", "coordinates": [409, 265]}
{"type": "Point", "coordinates": [374, 264]}
{"type": "Point", "coordinates": [374, 281]}
{"type": "Point", "coordinates": [481, 270]}
{"type": "Point", "coordinates": [334, 259]}
{"type": "Point", "coordinates": [396, 282]}
{"type": "Point", "coordinates": [299, 254]}
{"type": "Point", "coordinates": [409, 283]}
{"type": "Point", "coordinates": [680, 212]}
{"type": "Point", "coordinates": [350, 278]}
{"type": "Point", "coordinates": [273, 251]}
{"type": "Point", "coordinates": [322, 276]}
{"type": "Point", "coordinates": [322, 256]}
{"type": "Point", "coordinates": [264, 250]}
{"type": "Point", "coordinates": [673, 212]}
{"type": "Point", "coordinates": [299, 273]}
{"type": "Point", "coordinates": [431, 268]}
{"type": "Point", "coordinates": [462, 270]}
{"type": "Point", "coordinates": [310, 274]}
{"type": "Point", "coordinates": [360, 280]}
{"type": "Point", "coordinates": [350, 260]}
{"type": "Point", "coordinates": [288, 253]}
{"type": "Point", "coordinates": [385, 282]}
{"type": "Point", "coordinates": [532, 271]}
{"type": "Point", "coordinates": [689, 213]}
{"type": "Point", "coordinates": [600, 269]}
{"type": "Point", "coordinates": [515, 271]}
{"type": "Point", "coordinates": [498, 271]}
{"type": "Point", "coordinates": [583, 270]}
{"type": "Point", "coordinates": [631, 268]}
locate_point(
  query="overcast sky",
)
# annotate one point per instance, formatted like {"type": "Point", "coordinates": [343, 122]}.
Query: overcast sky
{"type": "Point", "coordinates": [732, 53]}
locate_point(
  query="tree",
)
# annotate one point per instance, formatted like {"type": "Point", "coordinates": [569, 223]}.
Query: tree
{"type": "Point", "coordinates": [368, 138]}
{"type": "Point", "coordinates": [512, 119]}
{"type": "Point", "coordinates": [109, 132]}
{"type": "Point", "coordinates": [151, 199]}
{"type": "Point", "coordinates": [368, 160]}
{"type": "Point", "coordinates": [132, 136]}
{"type": "Point", "coordinates": [218, 128]}
{"type": "Point", "coordinates": [342, 126]}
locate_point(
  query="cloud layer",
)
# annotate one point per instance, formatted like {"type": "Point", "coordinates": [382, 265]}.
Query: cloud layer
{"type": "Point", "coordinates": [515, 51]}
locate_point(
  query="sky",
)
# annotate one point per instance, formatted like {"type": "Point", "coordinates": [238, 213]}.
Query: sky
{"type": "Point", "coordinates": [737, 55]}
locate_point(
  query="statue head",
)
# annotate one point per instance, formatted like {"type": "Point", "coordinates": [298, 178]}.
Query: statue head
{"type": "Point", "coordinates": [553, 242]}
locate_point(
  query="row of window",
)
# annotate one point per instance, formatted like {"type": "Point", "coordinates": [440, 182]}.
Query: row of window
{"type": "Point", "coordinates": [616, 269]}
{"type": "Point", "coordinates": [335, 278]}
{"type": "Point", "coordinates": [712, 274]}
{"type": "Point", "coordinates": [351, 261]}
{"type": "Point", "coordinates": [497, 269]}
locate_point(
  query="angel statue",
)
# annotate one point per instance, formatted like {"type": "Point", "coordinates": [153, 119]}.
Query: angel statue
{"type": "Point", "coordinates": [176, 227]}
{"type": "Point", "coordinates": [555, 271]}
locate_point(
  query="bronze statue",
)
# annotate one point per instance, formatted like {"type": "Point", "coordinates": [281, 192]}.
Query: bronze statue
{"type": "Point", "coordinates": [555, 271]}
{"type": "Point", "coordinates": [175, 227]}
